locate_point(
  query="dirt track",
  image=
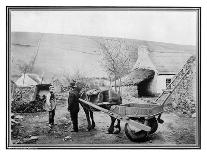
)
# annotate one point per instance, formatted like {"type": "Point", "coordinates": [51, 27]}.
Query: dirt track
{"type": "Point", "coordinates": [176, 130]}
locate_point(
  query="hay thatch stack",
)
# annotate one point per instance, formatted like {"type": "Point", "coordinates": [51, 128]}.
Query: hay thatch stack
{"type": "Point", "coordinates": [137, 76]}
{"type": "Point", "coordinates": [184, 97]}
{"type": "Point", "coordinates": [143, 69]}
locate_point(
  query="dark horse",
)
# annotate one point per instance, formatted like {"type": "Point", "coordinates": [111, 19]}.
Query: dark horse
{"type": "Point", "coordinates": [98, 97]}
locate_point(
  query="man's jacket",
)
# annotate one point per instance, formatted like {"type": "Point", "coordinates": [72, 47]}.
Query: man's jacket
{"type": "Point", "coordinates": [50, 102]}
{"type": "Point", "coordinates": [73, 102]}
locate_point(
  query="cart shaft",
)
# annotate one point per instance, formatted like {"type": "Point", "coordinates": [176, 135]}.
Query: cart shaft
{"type": "Point", "coordinates": [117, 116]}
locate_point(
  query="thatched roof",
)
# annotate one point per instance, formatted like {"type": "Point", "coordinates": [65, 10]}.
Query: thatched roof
{"type": "Point", "coordinates": [169, 63]}
{"type": "Point", "coordinates": [28, 80]}
{"type": "Point", "coordinates": [35, 77]}
{"type": "Point", "coordinates": [143, 69]}
{"type": "Point", "coordinates": [162, 60]}
{"type": "Point", "coordinates": [137, 76]}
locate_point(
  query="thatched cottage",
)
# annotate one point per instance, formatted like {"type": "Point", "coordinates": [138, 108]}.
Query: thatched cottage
{"type": "Point", "coordinates": [31, 86]}
{"type": "Point", "coordinates": [154, 70]}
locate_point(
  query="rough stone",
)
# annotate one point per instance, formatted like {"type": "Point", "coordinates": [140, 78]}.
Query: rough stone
{"type": "Point", "coordinates": [67, 138]}
{"type": "Point", "coordinates": [193, 115]}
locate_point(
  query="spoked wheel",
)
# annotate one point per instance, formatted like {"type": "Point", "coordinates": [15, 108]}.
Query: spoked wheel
{"type": "Point", "coordinates": [137, 136]}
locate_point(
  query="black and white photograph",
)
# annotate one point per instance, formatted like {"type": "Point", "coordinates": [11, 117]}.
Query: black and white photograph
{"type": "Point", "coordinates": [103, 77]}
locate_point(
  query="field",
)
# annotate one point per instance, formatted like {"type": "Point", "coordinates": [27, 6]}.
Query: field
{"type": "Point", "coordinates": [59, 53]}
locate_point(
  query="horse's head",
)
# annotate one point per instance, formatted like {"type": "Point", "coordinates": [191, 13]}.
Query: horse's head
{"type": "Point", "coordinates": [83, 94]}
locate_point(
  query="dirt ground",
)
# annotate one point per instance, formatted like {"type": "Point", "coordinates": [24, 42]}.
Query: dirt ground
{"type": "Point", "coordinates": [176, 130]}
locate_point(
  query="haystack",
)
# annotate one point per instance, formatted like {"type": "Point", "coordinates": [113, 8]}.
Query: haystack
{"type": "Point", "coordinates": [143, 69]}
{"type": "Point", "coordinates": [137, 76]}
{"type": "Point", "coordinates": [28, 80]}
{"type": "Point", "coordinates": [184, 97]}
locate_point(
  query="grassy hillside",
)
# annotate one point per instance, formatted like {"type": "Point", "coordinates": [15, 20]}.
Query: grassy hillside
{"type": "Point", "coordinates": [57, 53]}
{"type": "Point", "coordinates": [60, 53]}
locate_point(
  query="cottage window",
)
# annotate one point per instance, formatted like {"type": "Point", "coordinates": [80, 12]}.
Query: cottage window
{"type": "Point", "coordinates": [168, 81]}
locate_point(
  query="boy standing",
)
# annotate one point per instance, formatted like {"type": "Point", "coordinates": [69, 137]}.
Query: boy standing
{"type": "Point", "coordinates": [50, 105]}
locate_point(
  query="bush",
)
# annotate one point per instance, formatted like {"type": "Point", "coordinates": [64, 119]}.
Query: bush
{"type": "Point", "coordinates": [25, 107]}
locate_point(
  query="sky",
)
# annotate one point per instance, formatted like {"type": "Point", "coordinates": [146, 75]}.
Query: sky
{"type": "Point", "coordinates": [162, 26]}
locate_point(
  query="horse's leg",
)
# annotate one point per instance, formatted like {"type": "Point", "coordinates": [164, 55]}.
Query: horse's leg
{"type": "Point", "coordinates": [111, 128]}
{"type": "Point", "coordinates": [88, 119]}
{"type": "Point", "coordinates": [92, 120]}
{"type": "Point", "coordinates": [118, 126]}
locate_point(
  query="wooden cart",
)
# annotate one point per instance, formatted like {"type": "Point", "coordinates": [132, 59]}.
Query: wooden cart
{"type": "Point", "coordinates": [142, 118]}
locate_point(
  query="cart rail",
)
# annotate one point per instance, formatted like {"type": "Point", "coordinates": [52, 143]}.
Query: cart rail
{"type": "Point", "coordinates": [138, 110]}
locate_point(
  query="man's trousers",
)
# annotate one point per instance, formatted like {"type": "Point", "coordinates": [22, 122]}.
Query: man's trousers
{"type": "Point", "coordinates": [74, 118]}
{"type": "Point", "coordinates": [51, 117]}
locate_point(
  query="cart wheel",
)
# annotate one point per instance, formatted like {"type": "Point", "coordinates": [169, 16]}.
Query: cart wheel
{"type": "Point", "coordinates": [152, 122]}
{"type": "Point", "coordinates": [133, 135]}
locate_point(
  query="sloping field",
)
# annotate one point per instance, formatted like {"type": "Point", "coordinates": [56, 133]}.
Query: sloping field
{"type": "Point", "coordinates": [60, 53]}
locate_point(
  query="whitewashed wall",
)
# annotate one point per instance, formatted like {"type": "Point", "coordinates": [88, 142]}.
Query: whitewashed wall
{"type": "Point", "coordinates": [153, 85]}
{"type": "Point", "coordinates": [161, 82]}
{"type": "Point", "coordinates": [158, 83]}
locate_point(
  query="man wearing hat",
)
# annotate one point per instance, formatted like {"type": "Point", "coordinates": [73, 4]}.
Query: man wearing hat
{"type": "Point", "coordinates": [50, 105]}
{"type": "Point", "coordinates": [73, 105]}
